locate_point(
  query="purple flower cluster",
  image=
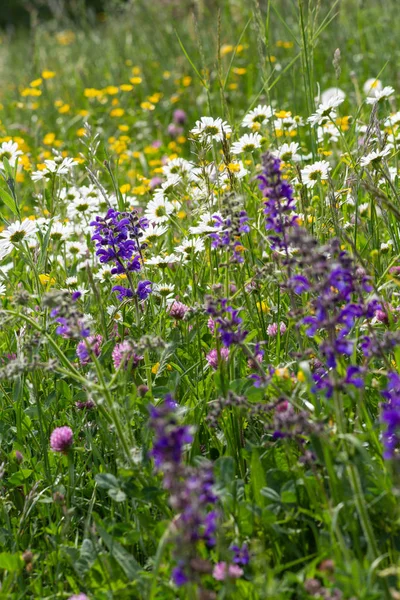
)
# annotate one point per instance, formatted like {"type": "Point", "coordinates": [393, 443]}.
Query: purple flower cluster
{"type": "Point", "coordinates": [92, 343]}
{"type": "Point", "coordinates": [190, 488]}
{"type": "Point", "coordinates": [117, 237]}
{"type": "Point", "coordinates": [230, 227]}
{"type": "Point", "coordinates": [228, 321]}
{"type": "Point", "coordinates": [336, 290]}
{"type": "Point", "coordinates": [390, 416]}
{"type": "Point", "coordinates": [279, 204]}
{"type": "Point", "coordinates": [64, 311]}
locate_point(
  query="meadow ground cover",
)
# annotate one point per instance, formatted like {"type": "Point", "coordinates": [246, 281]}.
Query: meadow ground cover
{"type": "Point", "coordinates": [199, 279]}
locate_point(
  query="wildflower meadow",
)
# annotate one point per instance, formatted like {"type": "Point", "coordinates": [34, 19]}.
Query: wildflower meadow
{"type": "Point", "coordinates": [200, 300]}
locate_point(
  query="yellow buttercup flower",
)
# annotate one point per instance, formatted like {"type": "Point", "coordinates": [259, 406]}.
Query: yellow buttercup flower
{"type": "Point", "coordinates": [46, 279]}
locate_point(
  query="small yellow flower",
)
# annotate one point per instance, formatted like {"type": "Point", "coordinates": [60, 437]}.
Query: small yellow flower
{"type": "Point", "coordinates": [117, 112]}
{"type": "Point", "coordinates": [81, 132]}
{"type": "Point", "coordinates": [64, 109]}
{"type": "Point", "coordinates": [186, 81]}
{"type": "Point", "coordinates": [301, 377]}
{"type": "Point", "coordinates": [92, 93]}
{"type": "Point", "coordinates": [282, 373]}
{"type": "Point", "coordinates": [31, 92]}
{"type": "Point", "coordinates": [154, 368]}
{"type": "Point", "coordinates": [48, 74]}
{"type": "Point", "coordinates": [263, 307]}
{"type": "Point", "coordinates": [124, 189]}
{"type": "Point", "coordinates": [126, 87]}
{"type": "Point", "coordinates": [147, 106]}
{"type": "Point", "coordinates": [111, 90]}
{"type": "Point", "coordinates": [49, 139]}
{"type": "Point", "coordinates": [36, 82]}
{"type": "Point", "coordinates": [135, 80]}
{"type": "Point", "coordinates": [46, 279]}
{"type": "Point", "coordinates": [226, 49]}
{"type": "Point", "coordinates": [240, 70]}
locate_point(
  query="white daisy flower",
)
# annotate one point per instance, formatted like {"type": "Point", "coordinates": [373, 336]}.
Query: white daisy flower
{"type": "Point", "coordinates": [104, 273]}
{"type": "Point", "coordinates": [332, 92]}
{"type": "Point", "coordinates": [363, 208]}
{"type": "Point", "coordinates": [257, 117]}
{"type": "Point", "coordinates": [177, 166]}
{"type": "Point", "coordinates": [153, 232]}
{"type": "Point", "coordinates": [190, 246]}
{"type": "Point", "coordinates": [328, 129]}
{"type": "Point", "coordinates": [200, 174]}
{"type": "Point", "coordinates": [318, 171]}
{"type": "Point", "coordinates": [206, 224]}
{"type": "Point", "coordinates": [162, 261]}
{"type": "Point", "coordinates": [247, 143]}
{"type": "Point", "coordinates": [378, 95]}
{"type": "Point", "coordinates": [288, 152]}
{"type": "Point", "coordinates": [159, 209]}
{"type": "Point", "coordinates": [71, 281]}
{"type": "Point", "coordinates": [375, 157]}
{"type": "Point", "coordinates": [371, 85]}
{"type": "Point", "coordinates": [60, 231]}
{"type": "Point", "coordinates": [10, 151]}
{"type": "Point", "coordinates": [56, 167]}
{"type": "Point", "coordinates": [167, 186]}
{"type": "Point", "coordinates": [164, 290]}
{"type": "Point", "coordinates": [76, 250]}
{"type": "Point", "coordinates": [16, 232]}
{"type": "Point", "coordinates": [325, 111]}
{"type": "Point", "coordinates": [208, 128]}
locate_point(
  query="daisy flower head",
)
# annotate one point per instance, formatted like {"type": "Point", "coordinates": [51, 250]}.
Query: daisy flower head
{"type": "Point", "coordinates": [379, 95]}
{"type": "Point", "coordinates": [167, 186]}
{"type": "Point", "coordinates": [158, 210]}
{"type": "Point", "coordinates": [205, 225]}
{"type": "Point", "coordinates": [10, 151]}
{"type": "Point", "coordinates": [153, 232]}
{"type": "Point", "coordinates": [257, 117]}
{"type": "Point", "coordinates": [288, 152]}
{"type": "Point", "coordinates": [374, 158]}
{"type": "Point", "coordinates": [177, 166]}
{"type": "Point", "coordinates": [190, 246]}
{"type": "Point", "coordinates": [247, 143]}
{"type": "Point", "coordinates": [325, 111]}
{"type": "Point", "coordinates": [372, 85]}
{"type": "Point", "coordinates": [162, 261]}
{"type": "Point", "coordinates": [54, 168]}
{"type": "Point", "coordinates": [16, 233]}
{"type": "Point", "coordinates": [208, 128]}
{"type": "Point", "coordinates": [332, 92]}
{"type": "Point", "coordinates": [318, 171]}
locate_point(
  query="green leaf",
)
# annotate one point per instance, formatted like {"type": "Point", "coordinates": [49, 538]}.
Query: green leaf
{"type": "Point", "coordinates": [19, 477]}
{"type": "Point", "coordinates": [86, 558]}
{"type": "Point", "coordinates": [126, 561]}
{"type": "Point", "coordinates": [258, 480]}
{"type": "Point", "coordinates": [10, 562]}
{"type": "Point", "coordinates": [106, 481]}
{"type": "Point", "coordinates": [8, 201]}
{"type": "Point", "coordinates": [117, 494]}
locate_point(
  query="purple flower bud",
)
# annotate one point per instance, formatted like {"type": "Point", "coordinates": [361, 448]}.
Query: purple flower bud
{"type": "Point", "coordinates": [179, 116]}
